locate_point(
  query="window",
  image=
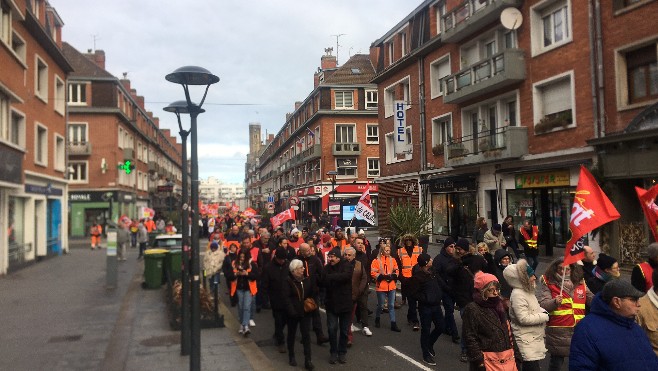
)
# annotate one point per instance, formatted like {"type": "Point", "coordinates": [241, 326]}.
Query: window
{"type": "Point", "coordinates": [60, 95]}
{"type": "Point", "coordinates": [553, 103]}
{"type": "Point", "coordinates": [59, 153]}
{"type": "Point", "coordinates": [438, 70]}
{"type": "Point", "coordinates": [440, 11]}
{"type": "Point", "coordinates": [17, 128]}
{"type": "Point", "coordinates": [389, 47]}
{"type": "Point", "coordinates": [346, 167]}
{"type": "Point", "coordinates": [41, 145]}
{"type": "Point", "coordinates": [78, 94]}
{"type": "Point", "coordinates": [139, 151]}
{"type": "Point", "coordinates": [372, 134]}
{"type": "Point", "coordinates": [403, 43]}
{"type": "Point", "coordinates": [5, 21]}
{"type": "Point", "coordinates": [78, 133]}
{"type": "Point", "coordinates": [344, 99]}
{"type": "Point", "coordinates": [441, 131]}
{"type": "Point", "coordinates": [18, 46]}
{"type": "Point", "coordinates": [4, 117]}
{"type": "Point", "coordinates": [345, 133]}
{"type": "Point", "coordinates": [373, 167]}
{"type": "Point", "coordinates": [120, 141]}
{"type": "Point", "coordinates": [41, 79]}
{"type": "Point", "coordinates": [78, 172]}
{"type": "Point", "coordinates": [550, 25]}
{"type": "Point", "coordinates": [397, 91]}
{"type": "Point", "coordinates": [642, 74]}
{"type": "Point", "coordinates": [371, 99]}
{"type": "Point", "coordinates": [621, 4]}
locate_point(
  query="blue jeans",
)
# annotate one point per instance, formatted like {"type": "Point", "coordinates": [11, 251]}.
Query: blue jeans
{"type": "Point", "coordinates": [244, 306]}
{"type": "Point", "coordinates": [338, 342]}
{"type": "Point", "coordinates": [429, 315]}
{"type": "Point", "coordinates": [381, 296]}
{"type": "Point", "coordinates": [532, 261]}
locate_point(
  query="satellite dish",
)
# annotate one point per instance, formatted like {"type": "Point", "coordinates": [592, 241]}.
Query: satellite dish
{"type": "Point", "coordinates": [511, 18]}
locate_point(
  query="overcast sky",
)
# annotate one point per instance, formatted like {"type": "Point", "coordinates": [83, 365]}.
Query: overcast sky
{"type": "Point", "coordinates": [265, 53]}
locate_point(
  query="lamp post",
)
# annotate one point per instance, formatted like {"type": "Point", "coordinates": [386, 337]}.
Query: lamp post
{"type": "Point", "coordinates": [186, 76]}
{"type": "Point", "coordinates": [177, 108]}
{"type": "Point", "coordinates": [332, 177]}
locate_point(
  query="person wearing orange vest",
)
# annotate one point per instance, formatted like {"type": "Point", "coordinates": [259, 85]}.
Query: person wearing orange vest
{"type": "Point", "coordinates": [528, 235]}
{"type": "Point", "coordinates": [642, 273]}
{"type": "Point", "coordinates": [384, 270]}
{"type": "Point", "coordinates": [96, 231]}
{"type": "Point", "coordinates": [243, 276]}
{"type": "Point", "coordinates": [339, 240]}
{"type": "Point", "coordinates": [565, 307]}
{"type": "Point", "coordinates": [150, 225]}
{"type": "Point", "coordinates": [408, 254]}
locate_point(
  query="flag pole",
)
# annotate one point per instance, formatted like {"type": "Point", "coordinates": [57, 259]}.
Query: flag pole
{"type": "Point", "coordinates": [563, 275]}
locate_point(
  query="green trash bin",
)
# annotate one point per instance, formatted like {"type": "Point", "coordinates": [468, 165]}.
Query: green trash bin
{"type": "Point", "coordinates": [152, 236]}
{"type": "Point", "coordinates": [153, 264]}
{"type": "Point", "coordinates": [173, 263]}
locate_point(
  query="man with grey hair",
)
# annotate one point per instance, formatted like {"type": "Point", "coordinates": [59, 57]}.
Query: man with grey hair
{"type": "Point", "coordinates": [642, 273]}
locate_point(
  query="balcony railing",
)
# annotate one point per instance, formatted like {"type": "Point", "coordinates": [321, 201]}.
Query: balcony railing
{"type": "Point", "coordinates": [503, 69]}
{"type": "Point", "coordinates": [347, 149]}
{"type": "Point", "coordinates": [470, 16]}
{"type": "Point", "coordinates": [487, 146]}
{"type": "Point", "coordinates": [312, 152]}
{"type": "Point", "coordinates": [80, 148]}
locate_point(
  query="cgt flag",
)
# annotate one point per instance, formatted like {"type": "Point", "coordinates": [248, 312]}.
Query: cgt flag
{"type": "Point", "coordinates": [364, 207]}
{"type": "Point", "coordinates": [648, 202]}
{"type": "Point", "coordinates": [591, 209]}
{"type": "Point", "coordinates": [281, 217]}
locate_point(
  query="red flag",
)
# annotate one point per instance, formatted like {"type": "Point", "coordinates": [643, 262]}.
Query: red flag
{"type": "Point", "coordinates": [281, 217]}
{"type": "Point", "coordinates": [648, 202]}
{"type": "Point", "coordinates": [591, 209]}
{"type": "Point", "coordinates": [363, 208]}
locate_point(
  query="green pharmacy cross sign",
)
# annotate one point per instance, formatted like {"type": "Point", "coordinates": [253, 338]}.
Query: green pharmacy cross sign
{"type": "Point", "coordinates": [127, 166]}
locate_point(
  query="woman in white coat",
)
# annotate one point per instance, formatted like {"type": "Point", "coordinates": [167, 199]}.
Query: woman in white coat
{"type": "Point", "coordinates": [527, 317]}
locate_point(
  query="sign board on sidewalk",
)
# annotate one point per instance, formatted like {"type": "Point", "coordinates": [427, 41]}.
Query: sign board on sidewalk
{"type": "Point", "coordinates": [294, 200]}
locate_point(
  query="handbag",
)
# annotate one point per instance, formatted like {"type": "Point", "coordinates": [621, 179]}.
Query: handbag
{"type": "Point", "coordinates": [309, 303]}
{"type": "Point", "coordinates": [500, 361]}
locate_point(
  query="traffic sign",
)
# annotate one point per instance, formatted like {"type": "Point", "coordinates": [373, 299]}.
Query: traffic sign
{"type": "Point", "coordinates": [294, 200]}
{"type": "Point", "coordinates": [270, 198]}
{"type": "Point", "coordinates": [270, 206]}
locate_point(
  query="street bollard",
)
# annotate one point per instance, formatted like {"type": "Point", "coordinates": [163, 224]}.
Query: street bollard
{"type": "Point", "coordinates": [111, 256]}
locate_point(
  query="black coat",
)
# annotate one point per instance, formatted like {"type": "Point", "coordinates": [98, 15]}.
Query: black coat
{"type": "Point", "coordinates": [425, 287]}
{"type": "Point", "coordinates": [337, 279]}
{"type": "Point", "coordinates": [446, 267]}
{"type": "Point", "coordinates": [272, 281]}
{"type": "Point", "coordinates": [264, 258]}
{"type": "Point", "coordinates": [294, 293]}
{"type": "Point", "coordinates": [463, 287]}
{"type": "Point", "coordinates": [312, 268]}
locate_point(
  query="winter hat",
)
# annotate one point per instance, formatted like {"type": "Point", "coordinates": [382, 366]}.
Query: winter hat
{"type": "Point", "coordinates": [497, 227]}
{"type": "Point", "coordinates": [605, 261]}
{"type": "Point", "coordinates": [338, 229]}
{"type": "Point", "coordinates": [214, 246]}
{"type": "Point", "coordinates": [335, 252]}
{"type": "Point", "coordinates": [481, 280]}
{"type": "Point", "coordinates": [423, 259]}
{"type": "Point", "coordinates": [294, 232]}
{"type": "Point", "coordinates": [448, 241]}
{"type": "Point", "coordinates": [362, 232]}
{"type": "Point", "coordinates": [463, 244]}
{"type": "Point", "coordinates": [280, 253]}
{"type": "Point", "coordinates": [620, 289]}
{"type": "Point", "coordinates": [529, 270]}
{"type": "Point", "coordinates": [326, 238]}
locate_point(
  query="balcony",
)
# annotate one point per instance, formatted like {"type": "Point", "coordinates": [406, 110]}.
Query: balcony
{"type": "Point", "coordinates": [128, 154]}
{"type": "Point", "coordinates": [79, 148]}
{"type": "Point", "coordinates": [311, 153]}
{"type": "Point", "coordinates": [470, 16]}
{"type": "Point", "coordinates": [153, 167]}
{"type": "Point", "coordinates": [347, 149]}
{"type": "Point", "coordinates": [505, 143]}
{"type": "Point", "coordinates": [501, 70]}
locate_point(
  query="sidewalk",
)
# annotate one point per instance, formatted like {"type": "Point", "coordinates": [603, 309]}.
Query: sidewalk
{"type": "Point", "coordinates": [57, 315]}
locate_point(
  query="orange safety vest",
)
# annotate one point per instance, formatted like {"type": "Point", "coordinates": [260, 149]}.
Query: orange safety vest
{"type": "Point", "coordinates": [234, 284]}
{"type": "Point", "coordinates": [571, 310]}
{"type": "Point", "coordinates": [407, 261]}
{"type": "Point", "coordinates": [343, 244]}
{"type": "Point", "coordinates": [647, 272]}
{"type": "Point", "coordinates": [532, 242]}
{"type": "Point", "coordinates": [383, 265]}
{"type": "Point", "coordinates": [96, 230]}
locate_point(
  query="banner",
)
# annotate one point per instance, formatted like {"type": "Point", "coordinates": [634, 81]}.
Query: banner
{"type": "Point", "coordinates": [147, 212]}
{"type": "Point", "coordinates": [648, 202]}
{"type": "Point", "coordinates": [249, 213]}
{"type": "Point", "coordinates": [279, 218]}
{"type": "Point", "coordinates": [591, 209]}
{"type": "Point", "coordinates": [364, 207]}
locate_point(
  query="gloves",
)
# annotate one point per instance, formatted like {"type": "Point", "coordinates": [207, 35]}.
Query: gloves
{"type": "Point", "coordinates": [394, 277]}
{"type": "Point", "coordinates": [380, 278]}
{"type": "Point", "coordinates": [387, 277]}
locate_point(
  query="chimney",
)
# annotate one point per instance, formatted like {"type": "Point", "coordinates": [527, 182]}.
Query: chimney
{"type": "Point", "coordinates": [156, 121]}
{"type": "Point", "coordinates": [97, 57]}
{"type": "Point", "coordinates": [140, 101]}
{"type": "Point", "coordinates": [297, 105]}
{"type": "Point", "coordinates": [328, 61]}
{"type": "Point", "coordinates": [270, 138]}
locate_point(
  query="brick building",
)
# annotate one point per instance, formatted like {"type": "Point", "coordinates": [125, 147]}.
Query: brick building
{"type": "Point", "coordinates": [501, 100]}
{"type": "Point", "coordinates": [109, 127]}
{"type": "Point", "coordinates": [33, 186]}
{"type": "Point", "coordinates": [334, 129]}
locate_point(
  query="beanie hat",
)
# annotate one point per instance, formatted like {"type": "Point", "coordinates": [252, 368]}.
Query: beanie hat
{"type": "Point", "coordinates": [448, 241]}
{"type": "Point", "coordinates": [497, 227]}
{"type": "Point", "coordinates": [605, 261]}
{"type": "Point", "coordinates": [335, 252]}
{"type": "Point", "coordinates": [463, 244]}
{"type": "Point", "coordinates": [214, 246]}
{"type": "Point", "coordinates": [481, 280]}
{"type": "Point", "coordinates": [280, 253]}
{"type": "Point", "coordinates": [529, 270]}
{"type": "Point", "coordinates": [423, 259]}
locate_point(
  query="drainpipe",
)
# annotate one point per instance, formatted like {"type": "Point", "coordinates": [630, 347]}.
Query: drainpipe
{"type": "Point", "coordinates": [599, 66]}
{"type": "Point", "coordinates": [421, 118]}
{"type": "Point", "coordinates": [593, 71]}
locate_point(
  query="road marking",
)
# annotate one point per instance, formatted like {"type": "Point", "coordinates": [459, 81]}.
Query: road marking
{"type": "Point", "coordinates": [406, 357]}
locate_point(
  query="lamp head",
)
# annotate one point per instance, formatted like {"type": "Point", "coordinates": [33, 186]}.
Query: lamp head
{"type": "Point", "coordinates": [180, 106]}
{"type": "Point", "coordinates": [192, 75]}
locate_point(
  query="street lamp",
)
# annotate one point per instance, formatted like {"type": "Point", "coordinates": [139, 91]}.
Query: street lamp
{"type": "Point", "coordinates": [177, 108]}
{"type": "Point", "coordinates": [186, 76]}
{"type": "Point", "coordinates": [332, 177]}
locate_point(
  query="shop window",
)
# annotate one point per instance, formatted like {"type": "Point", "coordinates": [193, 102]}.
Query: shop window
{"type": "Point", "coordinates": [16, 224]}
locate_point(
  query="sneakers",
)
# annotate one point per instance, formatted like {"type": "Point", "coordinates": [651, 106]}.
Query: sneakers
{"type": "Point", "coordinates": [342, 359]}
{"type": "Point", "coordinates": [246, 331]}
{"type": "Point", "coordinates": [333, 359]}
{"type": "Point", "coordinates": [463, 357]}
{"type": "Point", "coordinates": [354, 328]}
{"type": "Point", "coordinates": [367, 331]}
{"type": "Point", "coordinates": [252, 323]}
{"type": "Point", "coordinates": [429, 360]}
{"type": "Point", "coordinates": [241, 330]}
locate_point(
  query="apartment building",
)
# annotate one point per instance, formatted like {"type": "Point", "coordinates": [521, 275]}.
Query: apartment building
{"type": "Point", "coordinates": [334, 129]}
{"type": "Point", "coordinates": [120, 161]}
{"type": "Point", "coordinates": [33, 185]}
{"type": "Point", "coordinates": [504, 101]}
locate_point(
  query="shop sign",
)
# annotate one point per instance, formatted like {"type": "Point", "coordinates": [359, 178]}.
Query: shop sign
{"type": "Point", "coordinates": [334, 207]}
{"type": "Point", "coordinates": [560, 178]}
{"type": "Point", "coordinates": [165, 188]}
{"type": "Point", "coordinates": [410, 187]}
{"type": "Point", "coordinates": [88, 196]}
{"type": "Point", "coordinates": [453, 185]}
{"type": "Point", "coordinates": [47, 190]}
{"type": "Point", "coordinates": [356, 188]}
